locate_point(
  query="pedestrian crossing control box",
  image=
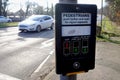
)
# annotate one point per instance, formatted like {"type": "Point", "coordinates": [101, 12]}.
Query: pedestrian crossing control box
{"type": "Point", "coordinates": [75, 37]}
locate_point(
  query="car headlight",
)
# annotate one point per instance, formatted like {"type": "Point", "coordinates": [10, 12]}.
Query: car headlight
{"type": "Point", "coordinates": [33, 25]}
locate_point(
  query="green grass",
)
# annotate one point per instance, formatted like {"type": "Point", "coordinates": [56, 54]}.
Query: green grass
{"type": "Point", "coordinates": [11, 24]}
{"type": "Point", "coordinates": [109, 29]}
{"type": "Point", "coordinates": [107, 25]}
{"type": "Point", "coordinates": [103, 38]}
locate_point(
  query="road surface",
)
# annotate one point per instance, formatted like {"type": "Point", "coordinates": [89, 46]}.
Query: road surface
{"type": "Point", "coordinates": [22, 53]}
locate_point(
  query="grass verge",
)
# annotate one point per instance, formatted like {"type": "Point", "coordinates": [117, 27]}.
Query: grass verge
{"type": "Point", "coordinates": [109, 31]}
{"type": "Point", "coordinates": [10, 24]}
{"type": "Point", "coordinates": [106, 39]}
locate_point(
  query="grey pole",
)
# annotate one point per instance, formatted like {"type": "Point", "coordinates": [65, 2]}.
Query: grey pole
{"type": "Point", "coordinates": [68, 1]}
{"type": "Point", "coordinates": [101, 11]}
{"type": "Point", "coordinates": [71, 77]}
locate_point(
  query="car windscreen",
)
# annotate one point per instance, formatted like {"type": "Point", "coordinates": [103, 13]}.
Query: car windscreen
{"type": "Point", "coordinates": [34, 18]}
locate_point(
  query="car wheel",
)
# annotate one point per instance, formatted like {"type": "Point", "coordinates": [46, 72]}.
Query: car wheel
{"type": "Point", "coordinates": [38, 29]}
{"type": "Point", "coordinates": [21, 30]}
{"type": "Point", "coordinates": [8, 21]}
{"type": "Point", "coordinates": [25, 31]}
{"type": "Point", "coordinates": [51, 27]}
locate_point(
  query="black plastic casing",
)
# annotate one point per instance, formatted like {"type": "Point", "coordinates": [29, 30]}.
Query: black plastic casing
{"type": "Point", "coordinates": [64, 64]}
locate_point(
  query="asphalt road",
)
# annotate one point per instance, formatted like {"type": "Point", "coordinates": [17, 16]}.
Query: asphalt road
{"type": "Point", "coordinates": [22, 53]}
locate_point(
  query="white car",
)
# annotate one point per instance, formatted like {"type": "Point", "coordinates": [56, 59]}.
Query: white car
{"type": "Point", "coordinates": [5, 19]}
{"type": "Point", "coordinates": [36, 23]}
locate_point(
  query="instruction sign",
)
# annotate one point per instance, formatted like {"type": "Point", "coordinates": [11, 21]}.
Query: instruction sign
{"type": "Point", "coordinates": [76, 18]}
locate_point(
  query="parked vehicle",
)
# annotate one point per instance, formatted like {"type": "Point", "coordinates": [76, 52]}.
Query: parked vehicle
{"type": "Point", "coordinates": [5, 19]}
{"type": "Point", "coordinates": [36, 23]}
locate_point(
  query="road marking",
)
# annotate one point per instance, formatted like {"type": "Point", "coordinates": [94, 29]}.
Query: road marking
{"type": "Point", "coordinates": [40, 66]}
{"type": "Point", "coordinates": [51, 52]}
{"type": "Point", "coordinates": [47, 43]}
{"type": "Point", "coordinates": [8, 34]}
{"type": "Point", "coordinates": [7, 77]}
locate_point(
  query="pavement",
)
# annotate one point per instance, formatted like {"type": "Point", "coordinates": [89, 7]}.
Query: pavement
{"type": "Point", "coordinates": [107, 66]}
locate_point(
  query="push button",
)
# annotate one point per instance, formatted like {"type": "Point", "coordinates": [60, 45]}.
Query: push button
{"type": "Point", "coordinates": [76, 65]}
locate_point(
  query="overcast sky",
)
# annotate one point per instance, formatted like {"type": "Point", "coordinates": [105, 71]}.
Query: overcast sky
{"type": "Point", "coordinates": [15, 5]}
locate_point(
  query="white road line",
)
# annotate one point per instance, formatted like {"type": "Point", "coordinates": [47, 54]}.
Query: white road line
{"type": "Point", "coordinates": [51, 52]}
{"type": "Point", "coordinates": [6, 38]}
{"type": "Point", "coordinates": [47, 43]}
{"type": "Point", "coordinates": [10, 33]}
{"type": "Point", "coordinates": [7, 77]}
{"type": "Point", "coordinates": [40, 66]}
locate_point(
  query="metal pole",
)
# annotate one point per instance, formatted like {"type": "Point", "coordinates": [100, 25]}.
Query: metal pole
{"type": "Point", "coordinates": [101, 11]}
{"type": "Point", "coordinates": [0, 7]}
{"type": "Point", "coordinates": [71, 77]}
{"type": "Point", "coordinates": [52, 11]}
{"type": "Point", "coordinates": [68, 1]}
{"type": "Point", "coordinates": [47, 7]}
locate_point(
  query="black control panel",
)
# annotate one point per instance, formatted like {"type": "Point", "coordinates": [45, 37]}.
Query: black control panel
{"type": "Point", "coordinates": [75, 37]}
{"type": "Point", "coordinates": [75, 46]}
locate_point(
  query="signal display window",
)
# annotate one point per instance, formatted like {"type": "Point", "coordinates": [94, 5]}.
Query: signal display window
{"type": "Point", "coordinates": [66, 48]}
{"type": "Point", "coordinates": [76, 47]}
{"type": "Point", "coordinates": [76, 43]}
{"type": "Point", "coordinates": [85, 46]}
{"type": "Point", "coordinates": [85, 43]}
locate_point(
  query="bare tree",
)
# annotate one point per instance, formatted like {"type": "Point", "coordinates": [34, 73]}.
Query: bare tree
{"type": "Point", "coordinates": [0, 7]}
{"type": "Point", "coordinates": [114, 6]}
{"type": "Point", "coordinates": [38, 10]}
{"type": "Point", "coordinates": [27, 8]}
{"type": "Point", "coordinates": [4, 7]}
